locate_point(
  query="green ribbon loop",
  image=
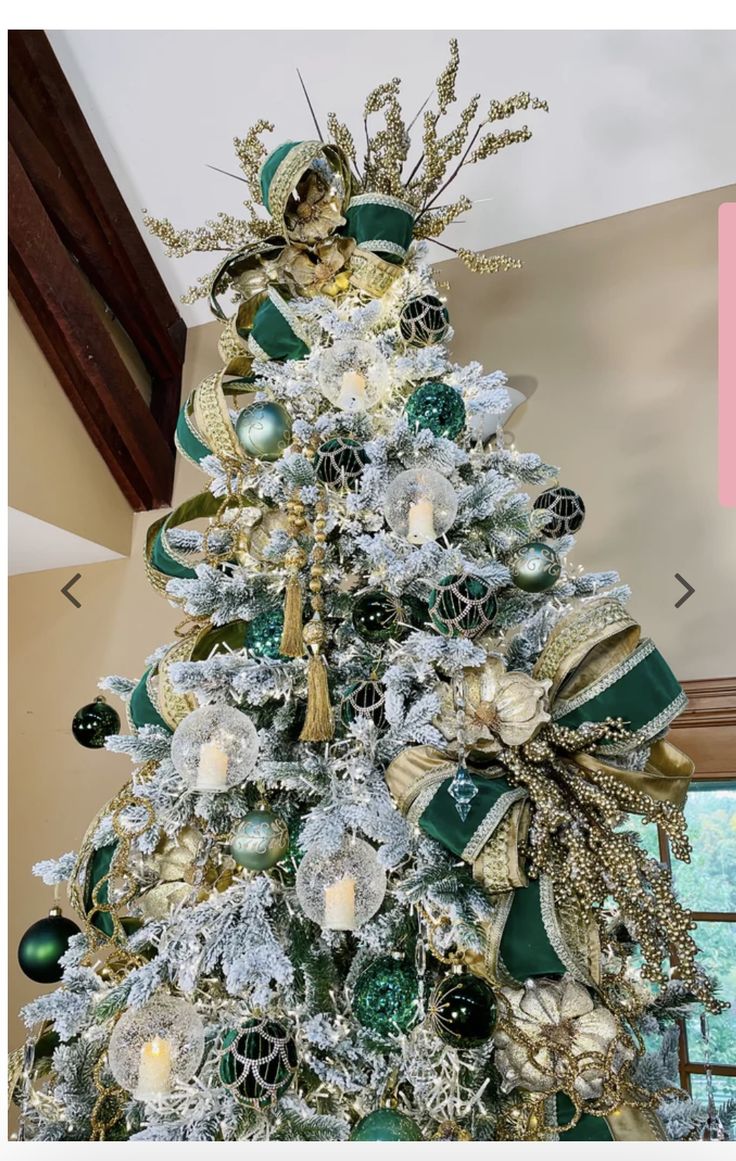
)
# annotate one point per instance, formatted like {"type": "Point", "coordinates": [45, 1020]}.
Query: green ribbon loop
{"type": "Point", "coordinates": [141, 710]}
{"type": "Point", "coordinates": [275, 333]}
{"type": "Point", "coordinates": [382, 224]}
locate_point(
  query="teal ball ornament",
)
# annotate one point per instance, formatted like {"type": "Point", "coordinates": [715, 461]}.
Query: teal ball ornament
{"type": "Point", "coordinates": [378, 616]}
{"type": "Point", "coordinates": [386, 996]}
{"type": "Point", "coordinates": [424, 321]}
{"type": "Point", "coordinates": [462, 1010]}
{"type": "Point", "coordinates": [264, 430]}
{"type": "Point", "coordinates": [43, 945]}
{"type": "Point", "coordinates": [535, 567]}
{"type": "Point", "coordinates": [386, 1125]}
{"type": "Point", "coordinates": [438, 407]}
{"type": "Point", "coordinates": [93, 723]}
{"type": "Point", "coordinates": [260, 840]}
{"type": "Point", "coordinates": [263, 635]}
{"type": "Point", "coordinates": [340, 462]}
{"type": "Point", "coordinates": [258, 1061]}
{"type": "Point", "coordinates": [462, 605]}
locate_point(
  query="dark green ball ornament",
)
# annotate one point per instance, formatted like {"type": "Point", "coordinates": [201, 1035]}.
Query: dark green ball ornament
{"type": "Point", "coordinates": [340, 462]}
{"type": "Point", "coordinates": [462, 606]}
{"type": "Point", "coordinates": [566, 509]}
{"type": "Point", "coordinates": [378, 616]}
{"type": "Point", "coordinates": [462, 1009]}
{"type": "Point", "coordinates": [424, 320]}
{"type": "Point", "coordinates": [263, 636]}
{"type": "Point", "coordinates": [386, 1125]}
{"type": "Point", "coordinates": [43, 945]}
{"type": "Point", "coordinates": [364, 699]}
{"type": "Point", "coordinates": [258, 1061]}
{"type": "Point", "coordinates": [260, 840]}
{"type": "Point", "coordinates": [93, 723]}
{"type": "Point", "coordinates": [264, 430]}
{"type": "Point", "coordinates": [534, 567]}
{"type": "Point", "coordinates": [385, 996]}
{"type": "Point", "coordinates": [438, 407]}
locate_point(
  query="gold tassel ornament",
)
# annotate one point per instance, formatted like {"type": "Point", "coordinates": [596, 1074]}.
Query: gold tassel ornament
{"type": "Point", "coordinates": [292, 637]}
{"type": "Point", "coordinates": [319, 725]}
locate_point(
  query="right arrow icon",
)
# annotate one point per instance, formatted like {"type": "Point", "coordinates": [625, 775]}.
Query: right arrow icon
{"type": "Point", "coordinates": [687, 594]}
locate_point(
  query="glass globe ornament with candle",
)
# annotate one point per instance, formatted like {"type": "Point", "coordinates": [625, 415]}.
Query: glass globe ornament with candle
{"type": "Point", "coordinates": [353, 375]}
{"type": "Point", "coordinates": [420, 505]}
{"type": "Point", "coordinates": [214, 748]}
{"type": "Point", "coordinates": [153, 1046]}
{"type": "Point", "coordinates": [342, 890]}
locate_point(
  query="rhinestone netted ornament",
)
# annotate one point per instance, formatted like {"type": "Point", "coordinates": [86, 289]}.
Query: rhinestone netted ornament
{"type": "Point", "coordinates": [463, 790]}
{"type": "Point", "coordinates": [566, 508]}
{"type": "Point", "coordinates": [340, 462]}
{"type": "Point", "coordinates": [462, 605]}
{"type": "Point", "coordinates": [257, 1061]}
{"type": "Point", "coordinates": [424, 320]}
{"type": "Point", "coordinates": [364, 699]}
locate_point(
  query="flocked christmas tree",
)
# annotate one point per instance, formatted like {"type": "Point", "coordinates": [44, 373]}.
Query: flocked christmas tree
{"type": "Point", "coordinates": [372, 876]}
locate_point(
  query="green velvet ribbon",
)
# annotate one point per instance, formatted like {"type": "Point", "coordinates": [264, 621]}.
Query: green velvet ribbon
{"type": "Point", "coordinates": [588, 1128]}
{"type": "Point", "coordinates": [269, 167]}
{"type": "Point", "coordinates": [189, 444]}
{"type": "Point", "coordinates": [525, 947]}
{"type": "Point", "coordinates": [202, 505]}
{"type": "Point", "coordinates": [373, 219]}
{"type": "Point", "coordinates": [141, 710]}
{"type": "Point", "coordinates": [99, 866]}
{"type": "Point", "coordinates": [642, 690]}
{"type": "Point", "coordinates": [440, 818]}
{"type": "Point", "coordinates": [272, 333]}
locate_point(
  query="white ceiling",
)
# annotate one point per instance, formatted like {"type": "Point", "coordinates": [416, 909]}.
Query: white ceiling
{"type": "Point", "coordinates": [635, 117]}
{"type": "Point", "coordinates": [34, 546]}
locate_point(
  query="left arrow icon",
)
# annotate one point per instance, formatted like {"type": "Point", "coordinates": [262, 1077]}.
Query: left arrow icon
{"type": "Point", "coordinates": [77, 576]}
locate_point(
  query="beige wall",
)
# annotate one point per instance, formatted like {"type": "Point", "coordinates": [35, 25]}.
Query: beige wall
{"type": "Point", "coordinates": [616, 322]}
{"type": "Point", "coordinates": [55, 471]}
{"type": "Point", "coordinates": [57, 655]}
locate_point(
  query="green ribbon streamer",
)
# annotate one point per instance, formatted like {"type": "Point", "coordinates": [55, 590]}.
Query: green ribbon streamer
{"type": "Point", "coordinates": [525, 947]}
{"type": "Point", "coordinates": [588, 1128]}
{"type": "Point", "coordinates": [141, 709]}
{"type": "Point", "coordinates": [189, 444]}
{"type": "Point", "coordinates": [370, 222]}
{"type": "Point", "coordinates": [272, 333]}
{"type": "Point", "coordinates": [441, 820]}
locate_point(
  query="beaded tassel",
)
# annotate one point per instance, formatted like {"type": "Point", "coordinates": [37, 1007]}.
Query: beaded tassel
{"type": "Point", "coordinates": [319, 724]}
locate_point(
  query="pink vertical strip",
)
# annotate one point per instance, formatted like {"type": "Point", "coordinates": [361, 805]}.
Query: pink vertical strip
{"type": "Point", "coordinates": [727, 354]}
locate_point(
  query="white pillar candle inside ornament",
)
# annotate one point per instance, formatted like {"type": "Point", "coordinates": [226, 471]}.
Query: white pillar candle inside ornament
{"type": "Point", "coordinates": [154, 1074]}
{"type": "Point", "coordinates": [353, 395]}
{"type": "Point", "coordinates": [340, 905]}
{"type": "Point", "coordinates": [214, 748]}
{"type": "Point", "coordinates": [212, 768]}
{"type": "Point", "coordinates": [420, 505]}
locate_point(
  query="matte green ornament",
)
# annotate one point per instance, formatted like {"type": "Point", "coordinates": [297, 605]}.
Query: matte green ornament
{"type": "Point", "coordinates": [260, 840]}
{"type": "Point", "coordinates": [535, 567]}
{"type": "Point", "coordinates": [43, 945]}
{"type": "Point", "coordinates": [93, 723]}
{"type": "Point", "coordinates": [385, 996]}
{"type": "Point", "coordinates": [258, 1061]}
{"type": "Point", "coordinates": [438, 407]}
{"type": "Point", "coordinates": [386, 1125]}
{"type": "Point", "coordinates": [462, 1009]}
{"type": "Point", "coordinates": [424, 320]}
{"type": "Point", "coordinates": [263, 636]}
{"type": "Point", "coordinates": [378, 616]}
{"type": "Point", "coordinates": [462, 605]}
{"type": "Point", "coordinates": [264, 430]}
{"type": "Point", "coordinates": [340, 462]}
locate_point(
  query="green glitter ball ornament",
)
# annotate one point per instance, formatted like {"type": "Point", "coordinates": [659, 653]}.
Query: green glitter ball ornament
{"type": "Point", "coordinates": [462, 606]}
{"type": "Point", "coordinates": [264, 430]}
{"type": "Point", "coordinates": [260, 840]}
{"type": "Point", "coordinates": [462, 1010]}
{"type": "Point", "coordinates": [340, 462]}
{"type": "Point", "coordinates": [258, 1061]}
{"type": "Point", "coordinates": [43, 945]}
{"type": "Point", "coordinates": [385, 996]}
{"type": "Point", "coordinates": [534, 567]}
{"type": "Point", "coordinates": [378, 616]}
{"type": "Point", "coordinates": [93, 723]}
{"type": "Point", "coordinates": [263, 636]}
{"type": "Point", "coordinates": [437, 406]}
{"type": "Point", "coordinates": [386, 1125]}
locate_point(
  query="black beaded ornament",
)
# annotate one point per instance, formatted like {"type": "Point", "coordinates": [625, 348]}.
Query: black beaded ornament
{"type": "Point", "coordinates": [424, 321]}
{"type": "Point", "coordinates": [258, 1061]}
{"type": "Point", "coordinates": [567, 510]}
{"type": "Point", "coordinates": [364, 699]}
{"type": "Point", "coordinates": [462, 605]}
{"type": "Point", "coordinates": [340, 462]}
